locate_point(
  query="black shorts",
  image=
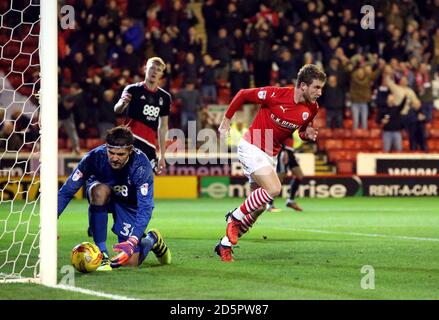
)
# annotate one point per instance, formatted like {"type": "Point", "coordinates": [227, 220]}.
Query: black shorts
{"type": "Point", "coordinates": [292, 161]}
{"type": "Point", "coordinates": [149, 151]}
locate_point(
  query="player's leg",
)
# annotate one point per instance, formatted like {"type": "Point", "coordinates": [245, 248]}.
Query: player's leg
{"type": "Point", "coordinates": [99, 196]}
{"type": "Point", "coordinates": [259, 167]}
{"type": "Point", "coordinates": [224, 247]}
{"type": "Point", "coordinates": [294, 186]}
{"type": "Point", "coordinates": [270, 187]}
{"type": "Point", "coordinates": [154, 242]}
{"type": "Point", "coordinates": [250, 218]}
{"type": "Point", "coordinates": [281, 169]}
{"type": "Point", "coordinates": [149, 151]}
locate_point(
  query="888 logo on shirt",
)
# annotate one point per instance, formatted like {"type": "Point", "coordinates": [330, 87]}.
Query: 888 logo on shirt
{"type": "Point", "coordinates": [151, 112]}
{"type": "Point", "coordinates": [121, 190]}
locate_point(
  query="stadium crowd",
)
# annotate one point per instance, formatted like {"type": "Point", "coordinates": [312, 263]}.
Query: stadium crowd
{"type": "Point", "coordinates": [234, 44]}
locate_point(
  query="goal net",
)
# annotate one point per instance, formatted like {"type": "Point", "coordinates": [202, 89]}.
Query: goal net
{"type": "Point", "coordinates": [22, 144]}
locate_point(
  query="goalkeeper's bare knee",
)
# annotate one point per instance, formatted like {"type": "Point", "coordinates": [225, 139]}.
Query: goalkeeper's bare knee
{"type": "Point", "coordinates": [100, 194]}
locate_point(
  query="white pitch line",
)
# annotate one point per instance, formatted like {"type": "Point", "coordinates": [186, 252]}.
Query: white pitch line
{"type": "Point", "coordinates": [92, 292]}
{"type": "Point", "coordinates": [375, 235]}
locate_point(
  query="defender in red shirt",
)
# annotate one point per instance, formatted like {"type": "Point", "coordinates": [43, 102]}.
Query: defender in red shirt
{"type": "Point", "coordinates": [283, 110]}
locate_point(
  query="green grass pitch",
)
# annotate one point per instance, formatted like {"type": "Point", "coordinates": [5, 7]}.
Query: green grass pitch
{"type": "Point", "coordinates": [316, 254]}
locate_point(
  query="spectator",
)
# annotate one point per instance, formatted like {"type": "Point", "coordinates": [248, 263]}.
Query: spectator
{"type": "Point", "coordinates": [239, 43]}
{"type": "Point", "coordinates": [261, 37]}
{"type": "Point", "coordinates": [79, 68]}
{"type": "Point", "coordinates": [287, 68]}
{"type": "Point", "coordinates": [132, 32]}
{"type": "Point", "coordinates": [189, 68]}
{"type": "Point", "coordinates": [10, 140]}
{"type": "Point", "coordinates": [238, 78]}
{"type": "Point", "coordinates": [361, 93]}
{"type": "Point", "coordinates": [106, 115]}
{"type": "Point", "coordinates": [333, 101]}
{"type": "Point", "coordinates": [237, 130]}
{"type": "Point", "coordinates": [221, 49]}
{"type": "Point", "coordinates": [412, 116]}
{"type": "Point", "coordinates": [208, 80]}
{"type": "Point", "coordinates": [233, 18]}
{"type": "Point", "coordinates": [26, 125]}
{"type": "Point", "coordinates": [82, 118]}
{"type": "Point", "coordinates": [130, 60]}
{"type": "Point", "coordinates": [67, 120]}
{"type": "Point", "coordinates": [389, 118]}
{"type": "Point", "coordinates": [211, 20]}
{"type": "Point", "coordinates": [165, 48]}
{"type": "Point", "coordinates": [102, 47]}
{"type": "Point", "coordinates": [190, 103]}
{"type": "Point", "coordinates": [192, 42]}
{"type": "Point", "coordinates": [207, 120]}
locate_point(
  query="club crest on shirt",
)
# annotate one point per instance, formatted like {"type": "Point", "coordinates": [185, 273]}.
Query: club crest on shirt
{"type": "Point", "coordinates": [144, 189]}
{"type": "Point", "coordinates": [305, 115]}
{"type": "Point", "coordinates": [161, 101]}
{"type": "Point", "coordinates": [262, 94]}
{"type": "Point", "coordinates": [77, 175]}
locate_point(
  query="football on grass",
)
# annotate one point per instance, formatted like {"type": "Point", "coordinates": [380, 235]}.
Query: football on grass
{"type": "Point", "coordinates": [86, 257]}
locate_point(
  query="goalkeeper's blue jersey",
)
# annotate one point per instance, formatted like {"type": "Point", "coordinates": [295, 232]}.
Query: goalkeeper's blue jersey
{"type": "Point", "coordinates": [132, 185]}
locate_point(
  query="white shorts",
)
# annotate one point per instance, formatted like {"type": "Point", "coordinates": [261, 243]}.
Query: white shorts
{"type": "Point", "coordinates": [252, 158]}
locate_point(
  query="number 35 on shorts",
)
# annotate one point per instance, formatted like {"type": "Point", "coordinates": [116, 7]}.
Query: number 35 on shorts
{"type": "Point", "coordinates": [127, 229]}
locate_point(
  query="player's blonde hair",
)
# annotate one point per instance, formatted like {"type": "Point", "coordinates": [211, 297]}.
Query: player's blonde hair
{"type": "Point", "coordinates": [157, 60]}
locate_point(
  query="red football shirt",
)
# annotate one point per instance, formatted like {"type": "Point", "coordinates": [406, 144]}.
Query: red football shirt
{"type": "Point", "coordinates": [278, 117]}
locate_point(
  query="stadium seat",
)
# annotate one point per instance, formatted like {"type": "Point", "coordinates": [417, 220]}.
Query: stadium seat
{"type": "Point", "coordinates": [345, 167]}
{"type": "Point", "coordinates": [434, 132]}
{"type": "Point", "coordinates": [375, 133]}
{"type": "Point", "coordinates": [325, 133]}
{"type": "Point", "coordinates": [319, 122]}
{"type": "Point", "coordinates": [333, 144]}
{"type": "Point", "coordinates": [361, 133]}
{"type": "Point", "coordinates": [62, 143]}
{"type": "Point", "coordinates": [339, 133]}
{"type": "Point", "coordinates": [347, 124]}
{"type": "Point", "coordinates": [405, 145]}
{"type": "Point", "coordinates": [223, 95]}
{"type": "Point", "coordinates": [374, 144]}
{"type": "Point", "coordinates": [337, 155]}
{"type": "Point", "coordinates": [93, 143]}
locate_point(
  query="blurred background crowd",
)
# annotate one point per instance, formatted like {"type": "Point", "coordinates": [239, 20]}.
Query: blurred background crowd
{"type": "Point", "coordinates": [381, 77]}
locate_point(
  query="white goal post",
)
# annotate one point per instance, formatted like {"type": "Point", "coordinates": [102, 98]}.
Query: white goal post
{"type": "Point", "coordinates": [28, 248]}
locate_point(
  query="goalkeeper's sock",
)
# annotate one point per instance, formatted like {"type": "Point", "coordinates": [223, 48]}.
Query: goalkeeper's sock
{"type": "Point", "coordinates": [146, 245]}
{"type": "Point", "coordinates": [98, 224]}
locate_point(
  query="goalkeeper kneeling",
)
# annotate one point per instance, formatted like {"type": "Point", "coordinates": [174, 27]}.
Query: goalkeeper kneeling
{"type": "Point", "coordinates": [119, 180]}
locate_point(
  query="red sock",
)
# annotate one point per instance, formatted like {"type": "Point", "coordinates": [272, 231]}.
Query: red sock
{"type": "Point", "coordinates": [246, 223]}
{"type": "Point", "coordinates": [255, 200]}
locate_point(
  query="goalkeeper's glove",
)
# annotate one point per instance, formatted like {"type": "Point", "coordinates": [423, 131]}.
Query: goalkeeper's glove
{"type": "Point", "coordinates": [126, 250]}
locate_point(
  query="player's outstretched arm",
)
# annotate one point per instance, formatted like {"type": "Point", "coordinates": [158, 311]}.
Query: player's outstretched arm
{"type": "Point", "coordinates": [73, 183]}
{"type": "Point", "coordinates": [121, 105]}
{"type": "Point", "coordinates": [124, 101]}
{"type": "Point", "coordinates": [224, 127]}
